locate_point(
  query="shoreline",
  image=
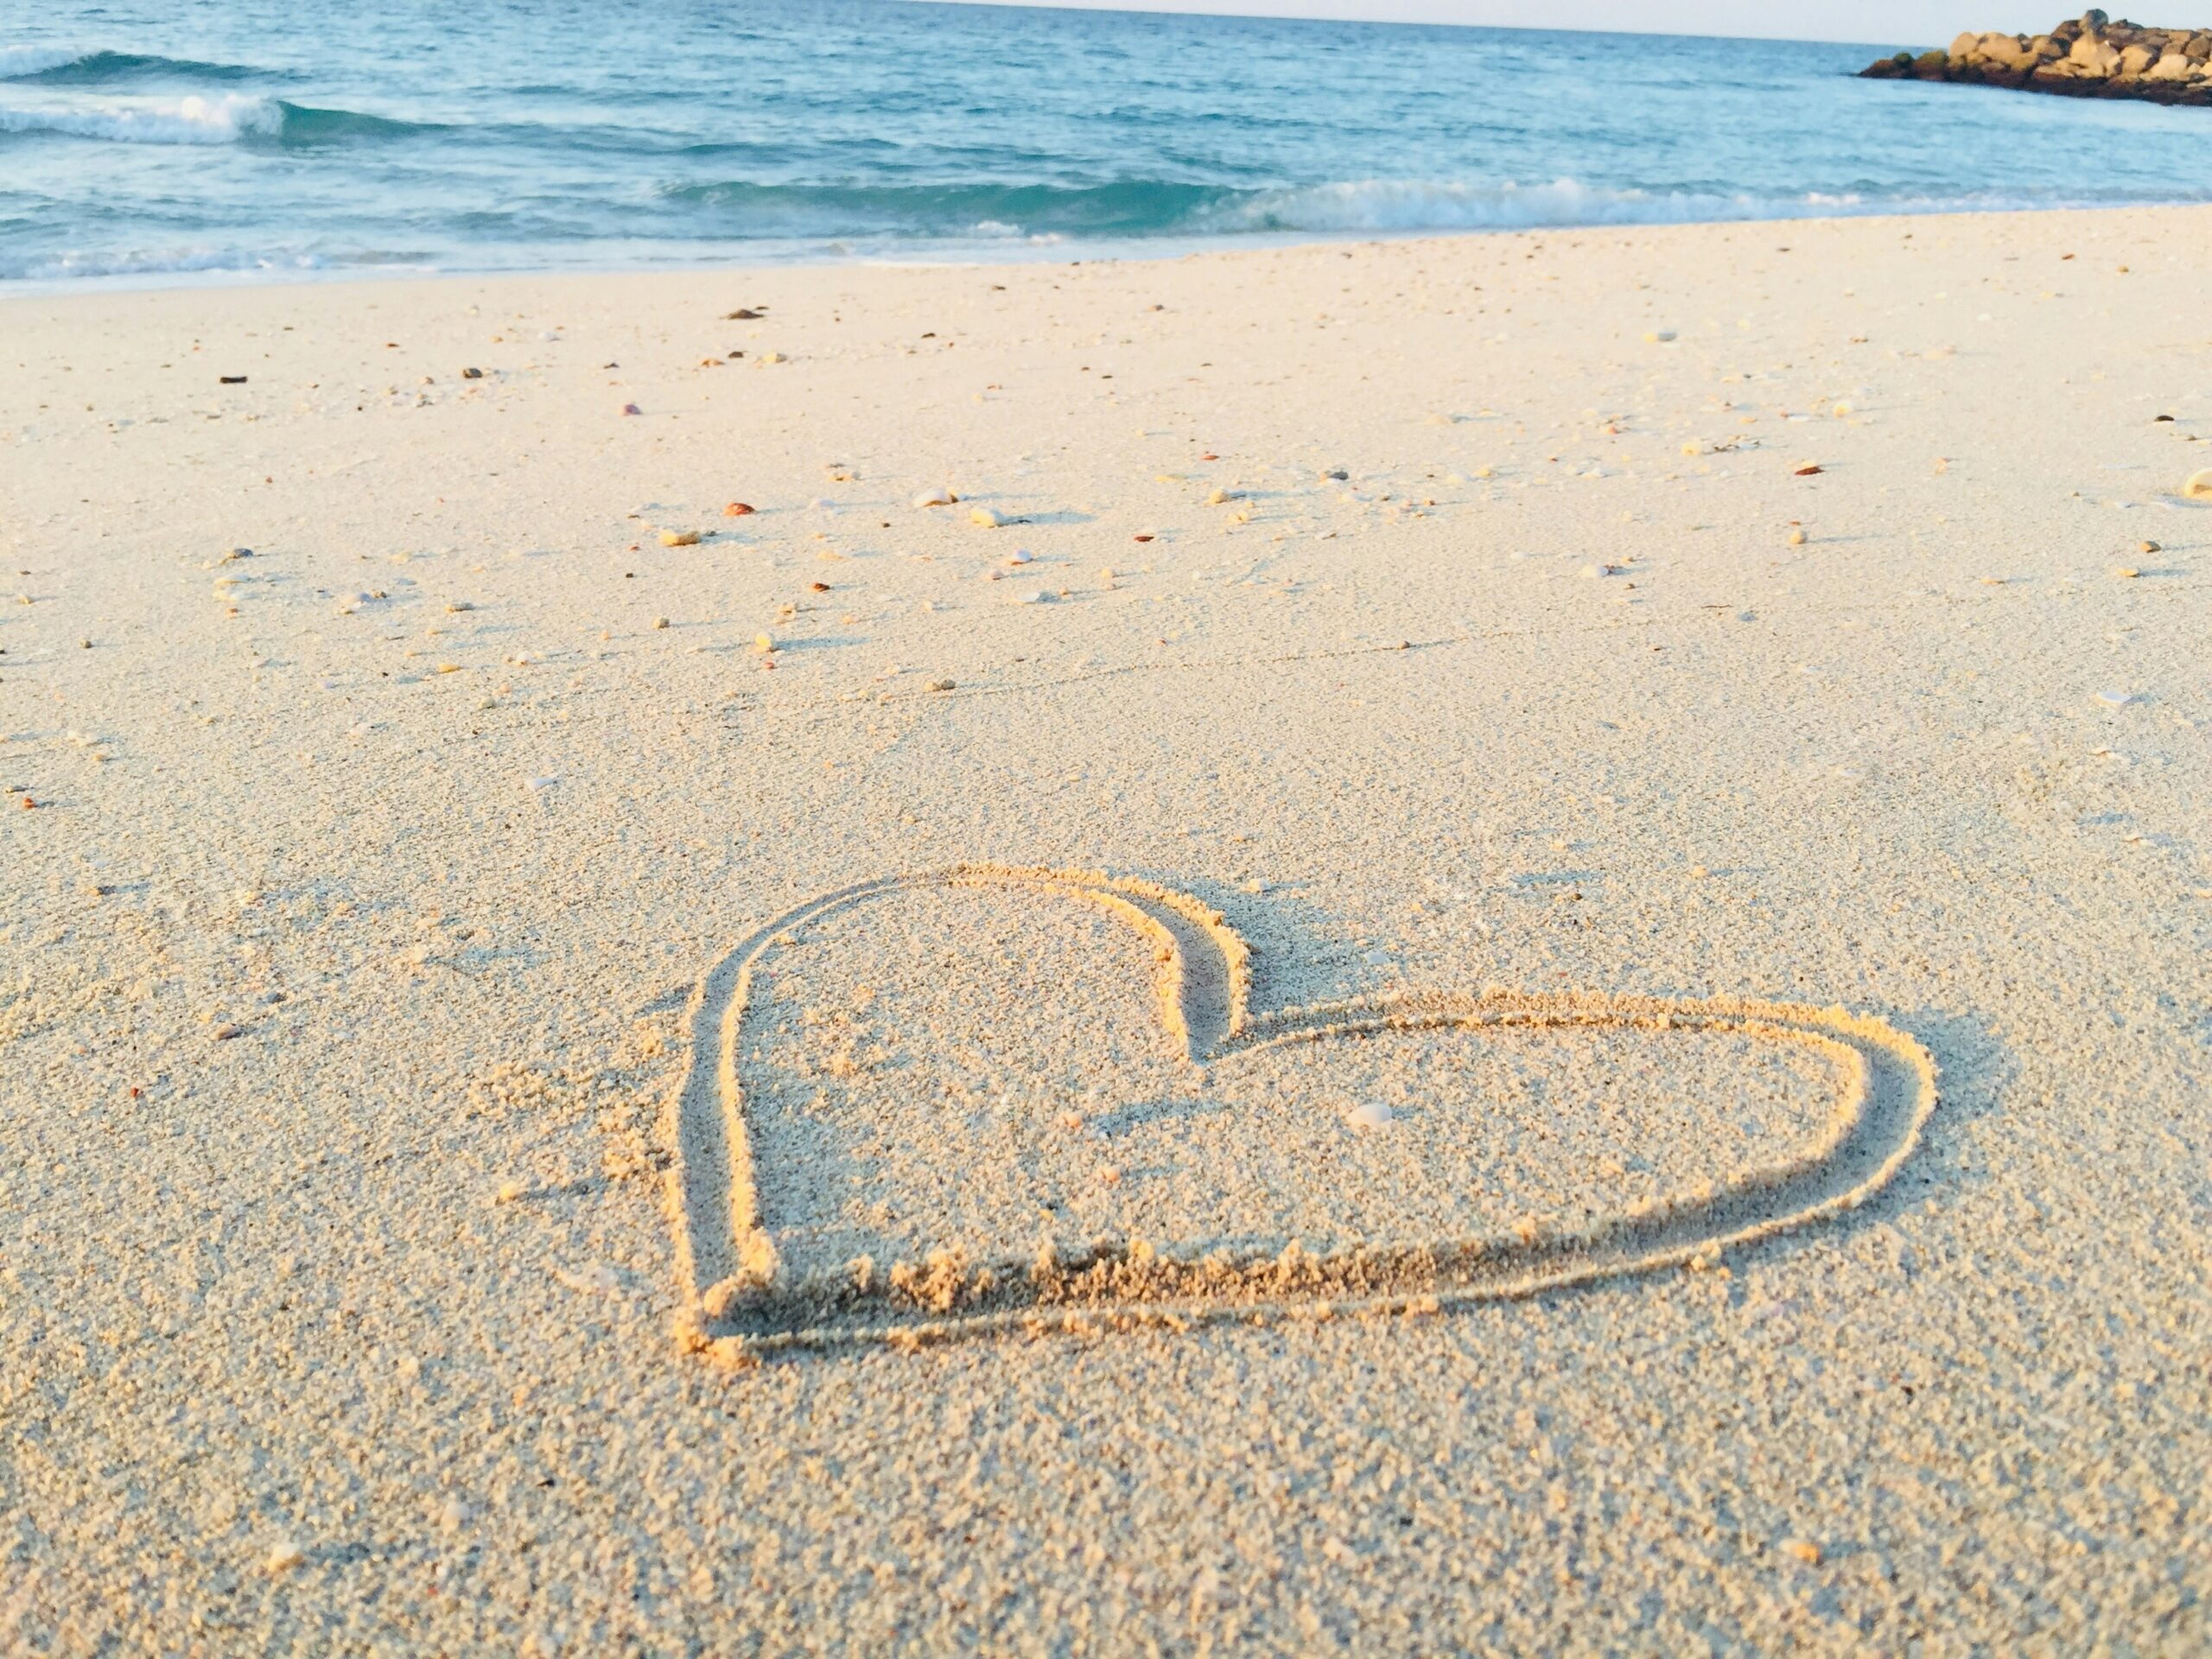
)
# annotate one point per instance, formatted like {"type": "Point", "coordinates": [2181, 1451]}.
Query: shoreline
{"type": "Point", "coordinates": [1126, 250]}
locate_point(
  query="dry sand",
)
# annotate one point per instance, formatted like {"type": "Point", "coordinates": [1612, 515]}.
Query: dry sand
{"type": "Point", "coordinates": [360, 1290]}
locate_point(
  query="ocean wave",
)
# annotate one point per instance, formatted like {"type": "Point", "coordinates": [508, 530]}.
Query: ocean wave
{"type": "Point", "coordinates": [1396, 205]}
{"type": "Point", "coordinates": [1395, 208]}
{"type": "Point", "coordinates": [17, 61]}
{"type": "Point", "coordinates": [82, 66]}
{"type": "Point", "coordinates": [73, 266]}
{"type": "Point", "coordinates": [1138, 208]}
{"type": "Point", "coordinates": [1123, 207]}
{"type": "Point", "coordinates": [226, 118]}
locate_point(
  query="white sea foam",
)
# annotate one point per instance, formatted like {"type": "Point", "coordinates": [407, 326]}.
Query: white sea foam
{"type": "Point", "coordinates": [70, 264]}
{"type": "Point", "coordinates": [16, 61]}
{"type": "Point", "coordinates": [1400, 205]}
{"type": "Point", "coordinates": [195, 120]}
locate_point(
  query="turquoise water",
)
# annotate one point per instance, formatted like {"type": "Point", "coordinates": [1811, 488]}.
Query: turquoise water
{"type": "Point", "coordinates": [262, 137]}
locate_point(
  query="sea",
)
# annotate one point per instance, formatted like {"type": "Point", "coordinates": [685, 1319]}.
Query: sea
{"type": "Point", "coordinates": [151, 142]}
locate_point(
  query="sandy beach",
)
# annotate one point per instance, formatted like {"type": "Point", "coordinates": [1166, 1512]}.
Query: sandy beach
{"type": "Point", "coordinates": [1617, 1010]}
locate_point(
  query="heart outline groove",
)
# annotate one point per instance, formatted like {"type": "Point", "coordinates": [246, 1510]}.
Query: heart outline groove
{"type": "Point", "coordinates": [740, 1303]}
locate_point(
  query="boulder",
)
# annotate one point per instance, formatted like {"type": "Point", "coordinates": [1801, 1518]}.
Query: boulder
{"type": "Point", "coordinates": [1965, 47]}
{"type": "Point", "coordinates": [2092, 52]}
{"type": "Point", "coordinates": [2199, 49]}
{"type": "Point", "coordinates": [2137, 60]}
{"type": "Point", "coordinates": [2172, 66]}
{"type": "Point", "coordinates": [2093, 19]}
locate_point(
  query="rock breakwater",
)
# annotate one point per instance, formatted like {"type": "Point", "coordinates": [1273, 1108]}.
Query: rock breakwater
{"type": "Point", "coordinates": [2091, 56]}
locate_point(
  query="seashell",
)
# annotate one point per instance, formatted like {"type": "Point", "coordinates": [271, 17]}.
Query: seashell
{"type": "Point", "coordinates": [986, 517]}
{"type": "Point", "coordinates": [2199, 486]}
{"type": "Point", "coordinates": [737, 510]}
{"type": "Point", "coordinates": [935, 499]}
{"type": "Point", "coordinates": [1370, 1115]}
{"type": "Point", "coordinates": [679, 538]}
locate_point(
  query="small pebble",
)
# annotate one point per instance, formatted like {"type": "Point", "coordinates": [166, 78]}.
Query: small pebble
{"type": "Point", "coordinates": [679, 538]}
{"type": "Point", "coordinates": [765, 643]}
{"type": "Point", "coordinates": [988, 518]}
{"type": "Point", "coordinates": [1797, 538]}
{"type": "Point", "coordinates": [1659, 337]}
{"type": "Point", "coordinates": [632, 408]}
{"type": "Point", "coordinates": [2126, 572]}
{"type": "Point", "coordinates": [1803, 1549]}
{"type": "Point", "coordinates": [940, 685]}
{"type": "Point", "coordinates": [2116, 699]}
{"type": "Point", "coordinates": [935, 499]}
{"type": "Point", "coordinates": [660, 622]}
{"type": "Point", "coordinates": [284, 1556]}
{"type": "Point", "coordinates": [472, 374]}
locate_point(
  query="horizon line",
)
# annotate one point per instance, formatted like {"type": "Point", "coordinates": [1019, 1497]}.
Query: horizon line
{"type": "Point", "coordinates": [1257, 13]}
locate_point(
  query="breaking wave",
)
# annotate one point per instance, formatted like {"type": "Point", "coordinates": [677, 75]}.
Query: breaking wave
{"type": "Point", "coordinates": [225, 118]}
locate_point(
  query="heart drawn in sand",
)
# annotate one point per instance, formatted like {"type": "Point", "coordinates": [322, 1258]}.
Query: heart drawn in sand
{"type": "Point", "coordinates": [794, 1230]}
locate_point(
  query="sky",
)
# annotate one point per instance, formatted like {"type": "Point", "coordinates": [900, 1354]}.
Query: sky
{"type": "Point", "coordinates": [1931, 22]}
